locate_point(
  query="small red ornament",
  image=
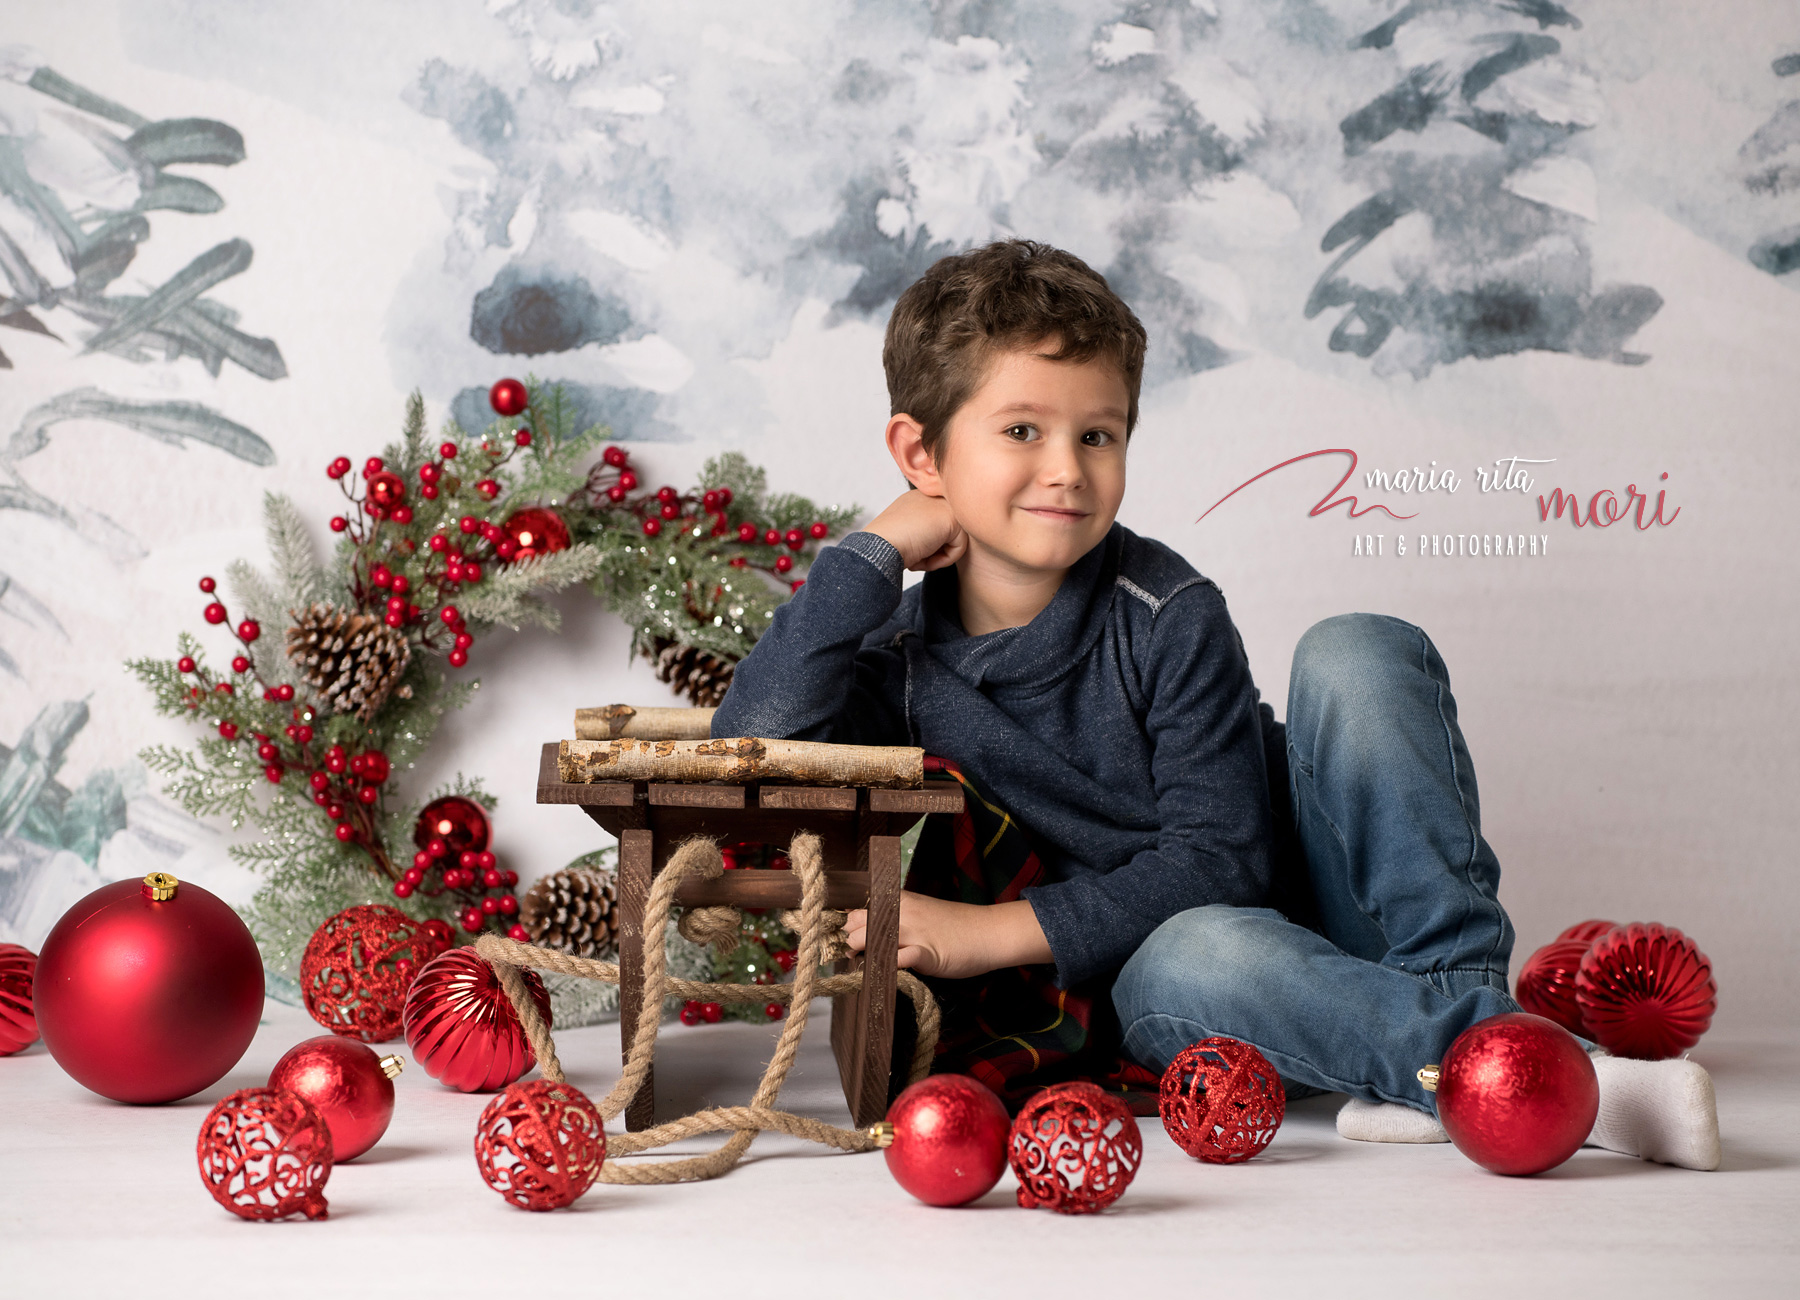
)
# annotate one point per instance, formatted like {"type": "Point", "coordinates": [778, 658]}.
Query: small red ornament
{"type": "Point", "coordinates": [18, 1022]}
{"type": "Point", "coordinates": [1516, 1093]}
{"type": "Point", "coordinates": [1646, 991]}
{"type": "Point", "coordinates": [461, 1026]}
{"type": "Point", "coordinates": [1546, 984]}
{"type": "Point", "coordinates": [1221, 1101]}
{"type": "Point", "coordinates": [148, 990]}
{"type": "Point", "coordinates": [945, 1139]}
{"type": "Point", "coordinates": [387, 490]}
{"type": "Point", "coordinates": [1587, 931]}
{"type": "Point", "coordinates": [540, 1144]}
{"type": "Point", "coordinates": [358, 966]}
{"type": "Point", "coordinates": [348, 1083]}
{"type": "Point", "coordinates": [265, 1154]}
{"type": "Point", "coordinates": [1074, 1149]}
{"type": "Point", "coordinates": [460, 823]}
{"type": "Point", "coordinates": [509, 397]}
{"type": "Point", "coordinates": [537, 531]}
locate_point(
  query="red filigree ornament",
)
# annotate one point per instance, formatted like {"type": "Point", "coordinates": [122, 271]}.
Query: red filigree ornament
{"type": "Point", "coordinates": [945, 1139]}
{"type": "Point", "coordinates": [1221, 1101]}
{"type": "Point", "coordinates": [347, 1083]}
{"type": "Point", "coordinates": [18, 1022]}
{"type": "Point", "coordinates": [540, 1145]}
{"type": "Point", "coordinates": [462, 1028]}
{"type": "Point", "coordinates": [265, 1153]}
{"type": "Point", "coordinates": [358, 966]}
{"type": "Point", "coordinates": [1586, 931]}
{"type": "Point", "coordinates": [1546, 984]}
{"type": "Point", "coordinates": [1516, 1093]}
{"type": "Point", "coordinates": [460, 823]}
{"type": "Point", "coordinates": [1074, 1149]}
{"type": "Point", "coordinates": [1646, 991]}
{"type": "Point", "coordinates": [509, 397]}
{"type": "Point", "coordinates": [537, 531]}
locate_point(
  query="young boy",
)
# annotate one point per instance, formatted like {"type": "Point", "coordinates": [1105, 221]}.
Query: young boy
{"type": "Point", "coordinates": [1093, 685]}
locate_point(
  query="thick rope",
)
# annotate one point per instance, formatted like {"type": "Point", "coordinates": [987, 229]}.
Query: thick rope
{"type": "Point", "coordinates": [821, 939]}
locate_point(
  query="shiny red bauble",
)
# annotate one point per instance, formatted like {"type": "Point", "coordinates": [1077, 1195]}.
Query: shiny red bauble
{"type": "Point", "coordinates": [1586, 931]}
{"type": "Point", "coordinates": [535, 532]}
{"type": "Point", "coordinates": [18, 1022]}
{"type": "Point", "coordinates": [358, 966]}
{"type": "Point", "coordinates": [1074, 1149]}
{"type": "Point", "coordinates": [265, 1153]}
{"type": "Point", "coordinates": [148, 990]}
{"type": "Point", "coordinates": [945, 1139]}
{"type": "Point", "coordinates": [509, 397]}
{"type": "Point", "coordinates": [1517, 1094]}
{"type": "Point", "coordinates": [1546, 983]}
{"type": "Point", "coordinates": [461, 1026]}
{"type": "Point", "coordinates": [387, 490]}
{"type": "Point", "coordinates": [347, 1083]}
{"type": "Point", "coordinates": [1221, 1101]}
{"type": "Point", "coordinates": [540, 1144]}
{"type": "Point", "coordinates": [462, 824]}
{"type": "Point", "coordinates": [1646, 991]}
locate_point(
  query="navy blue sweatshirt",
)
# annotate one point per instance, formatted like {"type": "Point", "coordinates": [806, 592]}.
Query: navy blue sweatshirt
{"type": "Point", "coordinates": [1120, 727]}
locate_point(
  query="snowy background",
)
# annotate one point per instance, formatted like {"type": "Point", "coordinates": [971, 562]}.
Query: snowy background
{"type": "Point", "coordinates": [233, 236]}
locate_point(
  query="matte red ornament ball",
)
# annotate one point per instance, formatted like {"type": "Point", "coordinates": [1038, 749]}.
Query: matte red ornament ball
{"type": "Point", "coordinates": [348, 1083]}
{"type": "Point", "coordinates": [461, 824]}
{"type": "Point", "coordinates": [1221, 1101]}
{"type": "Point", "coordinates": [18, 1021]}
{"type": "Point", "coordinates": [1546, 983]}
{"type": "Point", "coordinates": [945, 1139]}
{"type": "Point", "coordinates": [1646, 991]}
{"type": "Point", "coordinates": [461, 1026]}
{"type": "Point", "coordinates": [540, 1144]}
{"type": "Point", "coordinates": [358, 966]}
{"type": "Point", "coordinates": [1517, 1094]}
{"type": "Point", "coordinates": [1074, 1149]}
{"type": "Point", "coordinates": [265, 1153]}
{"type": "Point", "coordinates": [509, 397]}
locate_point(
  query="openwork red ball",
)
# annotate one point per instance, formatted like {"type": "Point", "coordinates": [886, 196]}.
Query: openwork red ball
{"type": "Point", "coordinates": [265, 1153]}
{"type": "Point", "coordinates": [537, 531]}
{"type": "Point", "coordinates": [1517, 1094]}
{"type": "Point", "coordinates": [460, 823]}
{"type": "Point", "coordinates": [945, 1139]}
{"type": "Point", "coordinates": [1646, 991]}
{"type": "Point", "coordinates": [462, 1028]}
{"type": "Point", "coordinates": [540, 1144]}
{"type": "Point", "coordinates": [358, 966]}
{"type": "Point", "coordinates": [1221, 1101]}
{"type": "Point", "coordinates": [18, 1022]}
{"type": "Point", "coordinates": [1074, 1149]}
{"type": "Point", "coordinates": [509, 397]}
{"type": "Point", "coordinates": [348, 1084]}
{"type": "Point", "coordinates": [1546, 985]}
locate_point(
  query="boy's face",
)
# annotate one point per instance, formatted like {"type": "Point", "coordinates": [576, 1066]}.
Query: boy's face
{"type": "Point", "coordinates": [1033, 464]}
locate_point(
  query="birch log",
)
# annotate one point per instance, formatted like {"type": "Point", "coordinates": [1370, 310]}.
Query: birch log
{"type": "Point", "coordinates": [740, 759]}
{"type": "Point", "coordinates": [626, 721]}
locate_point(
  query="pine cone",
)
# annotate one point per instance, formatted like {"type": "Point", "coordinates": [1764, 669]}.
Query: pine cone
{"type": "Point", "coordinates": [352, 660]}
{"type": "Point", "coordinates": [573, 911]}
{"type": "Point", "coordinates": [699, 674]}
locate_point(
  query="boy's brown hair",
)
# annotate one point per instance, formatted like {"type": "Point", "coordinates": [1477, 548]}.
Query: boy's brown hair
{"type": "Point", "coordinates": [950, 322]}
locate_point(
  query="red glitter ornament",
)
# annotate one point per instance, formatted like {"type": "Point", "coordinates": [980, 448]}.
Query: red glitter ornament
{"type": "Point", "coordinates": [1516, 1093]}
{"type": "Point", "coordinates": [358, 966]}
{"type": "Point", "coordinates": [540, 1144]}
{"type": "Point", "coordinates": [148, 990]}
{"type": "Point", "coordinates": [460, 823]}
{"type": "Point", "coordinates": [18, 1022]}
{"type": "Point", "coordinates": [509, 397]}
{"type": "Point", "coordinates": [1646, 991]}
{"type": "Point", "coordinates": [1546, 984]}
{"type": "Point", "coordinates": [1587, 931]}
{"type": "Point", "coordinates": [387, 490]}
{"type": "Point", "coordinates": [265, 1153]}
{"type": "Point", "coordinates": [537, 531]}
{"type": "Point", "coordinates": [945, 1139]}
{"type": "Point", "coordinates": [1221, 1101]}
{"type": "Point", "coordinates": [461, 1026]}
{"type": "Point", "coordinates": [1074, 1149]}
{"type": "Point", "coordinates": [348, 1084]}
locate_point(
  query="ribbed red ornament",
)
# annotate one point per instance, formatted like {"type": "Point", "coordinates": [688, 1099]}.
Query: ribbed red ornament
{"type": "Point", "coordinates": [1074, 1149]}
{"type": "Point", "coordinates": [18, 1022]}
{"type": "Point", "coordinates": [460, 823]}
{"type": "Point", "coordinates": [1646, 991]}
{"type": "Point", "coordinates": [462, 1028]}
{"type": "Point", "coordinates": [358, 966]}
{"type": "Point", "coordinates": [946, 1139]}
{"type": "Point", "coordinates": [265, 1153]}
{"type": "Point", "coordinates": [1546, 984]}
{"type": "Point", "coordinates": [348, 1083]}
{"type": "Point", "coordinates": [1221, 1101]}
{"type": "Point", "coordinates": [1517, 1094]}
{"type": "Point", "coordinates": [1586, 931]}
{"type": "Point", "coordinates": [540, 1144]}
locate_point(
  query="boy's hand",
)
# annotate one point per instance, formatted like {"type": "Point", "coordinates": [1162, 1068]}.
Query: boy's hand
{"type": "Point", "coordinates": [957, 940]}
{"type": "Point", "coordinates": [923, 529]}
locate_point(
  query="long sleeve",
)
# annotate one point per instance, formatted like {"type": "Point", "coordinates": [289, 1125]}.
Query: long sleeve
{"type": "Point", "coordinates": [808, 677]}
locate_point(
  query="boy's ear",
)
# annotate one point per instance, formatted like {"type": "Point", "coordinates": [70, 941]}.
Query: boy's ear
{"type": "Point", "coordinates": [905, 441]}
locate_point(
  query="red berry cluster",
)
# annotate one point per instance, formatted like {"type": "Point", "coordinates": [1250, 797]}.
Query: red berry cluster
{"type": "Point", "coordinates": [437, 868]}
{"type": "Point", "coordinates": [697, 1013]}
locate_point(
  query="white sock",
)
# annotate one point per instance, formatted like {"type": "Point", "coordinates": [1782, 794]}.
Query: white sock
{"type": "Point", "coordinates": [1387, 1121]}
{"type": "Point", "coordinates": [1658, 1110]}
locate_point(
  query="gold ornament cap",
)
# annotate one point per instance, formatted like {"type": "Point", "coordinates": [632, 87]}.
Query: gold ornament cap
{"type": "Point", "coordinates": [392, 1064]}
{"type": "Point", "coordinates": [881, 1133]}
{"type": "Point", "coordinates": [1428, 1078]}
{"type": "Point", "coordinates": [160, 886]}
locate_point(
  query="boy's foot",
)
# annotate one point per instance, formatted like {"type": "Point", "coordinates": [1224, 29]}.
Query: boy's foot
{"type": "Point", "coordinates": [1387, 1121]}
{"type": "Point", "coordinates": [1658, 1110]}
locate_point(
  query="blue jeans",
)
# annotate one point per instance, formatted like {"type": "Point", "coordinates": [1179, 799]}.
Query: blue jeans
{"type": "Point", "coordinates": [1411, 945]}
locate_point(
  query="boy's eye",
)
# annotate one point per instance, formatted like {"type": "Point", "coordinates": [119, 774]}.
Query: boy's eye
{"type": "Point", "coordinates": [1020, 432]}
{"type": "Point", "coordinates": [1097, 437]}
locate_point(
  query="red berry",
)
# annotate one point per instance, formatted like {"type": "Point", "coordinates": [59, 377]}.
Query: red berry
{"type": "Point", "coordinates": [403, 888]}
{"type": "Point", "coordinates": [422, 861]}
{"type": "Point", "coordinates": [464, 640]}
{"type": "Point", "coordinates": [468, 523]}
{"type": "Point", "coordinates": [519, 934]}
{"type": "Point", "coordinates": [772, 538]}
{"type": "Point", "coordinates": [774, 1011]}
{"type": "Point", "coordinates": [794, 538]}
{"type": "Point", "coordinates": [690, 1015]}
{"type": "Point", "coordinates": [215, 613]}
{"type": "Point", "coordinates": [224, 688]}
{"type": "Point", "coordinates": [489, 906]}
{"type": "Point", "coordinates": [725, 496]}
{"type": "Point", "coordinates": [436, 847]}
{"type": "Point", "coordinates": [522, 438]}
{"type": "Point", "coordinates": [738, 562]}
{"type": "Point", "coordinates": [284, 692]}
{"type": "Point", "coordinates": [414, 875]}
{"type": "Point", "coordinates": [472, 922]}
{"type": "Point", "coordinates": [376, 767]}
{"type": "Point", "coordinates": [239, 664]}
{"type": "Point", "coordinates": [785, 959]}
{"type": "Point", "coordinates": [652, 527]}
{"type": "Point", "coordinates": [669, 510]}
{"type": "Point", "coordinates": [338, 468]}
{"type": "Point", "coordinates": [394, 618]}
{"type": "Point", "coordinates": [228, 730]}
{"type": "Point", "coordinates": [321, 798]}
{"type": "Point", "coordinates": [819, 529]}
{"type": "Point", "coordinates": [429, 473]}
{"type": "Point", "coordinates": [303, 734]}
{"type": "Point", "coordinates": [249, 630]}
{"type": "Point", "coordinates": [490, 879]}
{"type": "Point", "coordinates": [509, 878]}
{"type": "Point", "coordinates": [448, 614]}
{"type": "Point", "coordinates": [471, 573]}
{"type": "Point", "coordinates": [184, 664]}
{"type": "Point", "coordinates": [615, 494]}
{"type": "Point", "coordinates": [368, 794]}
{"type": "Point", "coordinates": [627, 480]}
{"type": "Point", "coordinates": [372, 466]}
{"type": "Point", "coordinates": [783, 563]}
{"type": "Point", "coordinates": [339, 523]}
{"type": "Point", "coordinates": [667, 494]}
{"type": "Point", "coordinates": [457, 658]}
{"type": "Point", "coordinates": [438, 543]}
{"type": "Point", "coordinates": [344, 830]}
{"type": "Point", "coordinates": [334, 763]}
{"type": "Point", "coordinates": [403, 514]}
{"type": "Point", "coordinates": [274, 772]}
{"type": "Point", "coordinates": [486, 861]}
{"type": "Point", "coordinates": [614, 456]}
{"type": "Point", "coordinates": [266, 752]}
{"type": "Point", "coordinates": [709, 500]}
{"type": "Point", "coordinates": [381, 575]}
{"type": "Point", "coordinates": [509, 905]}
{"type": "Point", "coordinates": [712, 1012]}
{"type": "Point", "coordinates": [318, 780]}
{"type": "Point", "coordinates": [334, 811]}
{"type": "Point", "coordinates": [488, 488]}
{"type": "Point", "coordinates": [447, 450]}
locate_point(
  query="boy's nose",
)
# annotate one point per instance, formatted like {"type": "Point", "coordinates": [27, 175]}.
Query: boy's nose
{"type": "Point", "coordinates": [1061, 465]}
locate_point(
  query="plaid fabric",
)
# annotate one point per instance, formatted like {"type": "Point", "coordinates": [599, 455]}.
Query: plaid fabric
{"type": "Point", "coordinates": [1013, 1029]}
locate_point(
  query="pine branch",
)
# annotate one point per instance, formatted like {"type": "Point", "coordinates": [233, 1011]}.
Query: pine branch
{"type": "Point", "coordinates": [509, 596]}
{"type": "Point", "coordinates": [298, 579]}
